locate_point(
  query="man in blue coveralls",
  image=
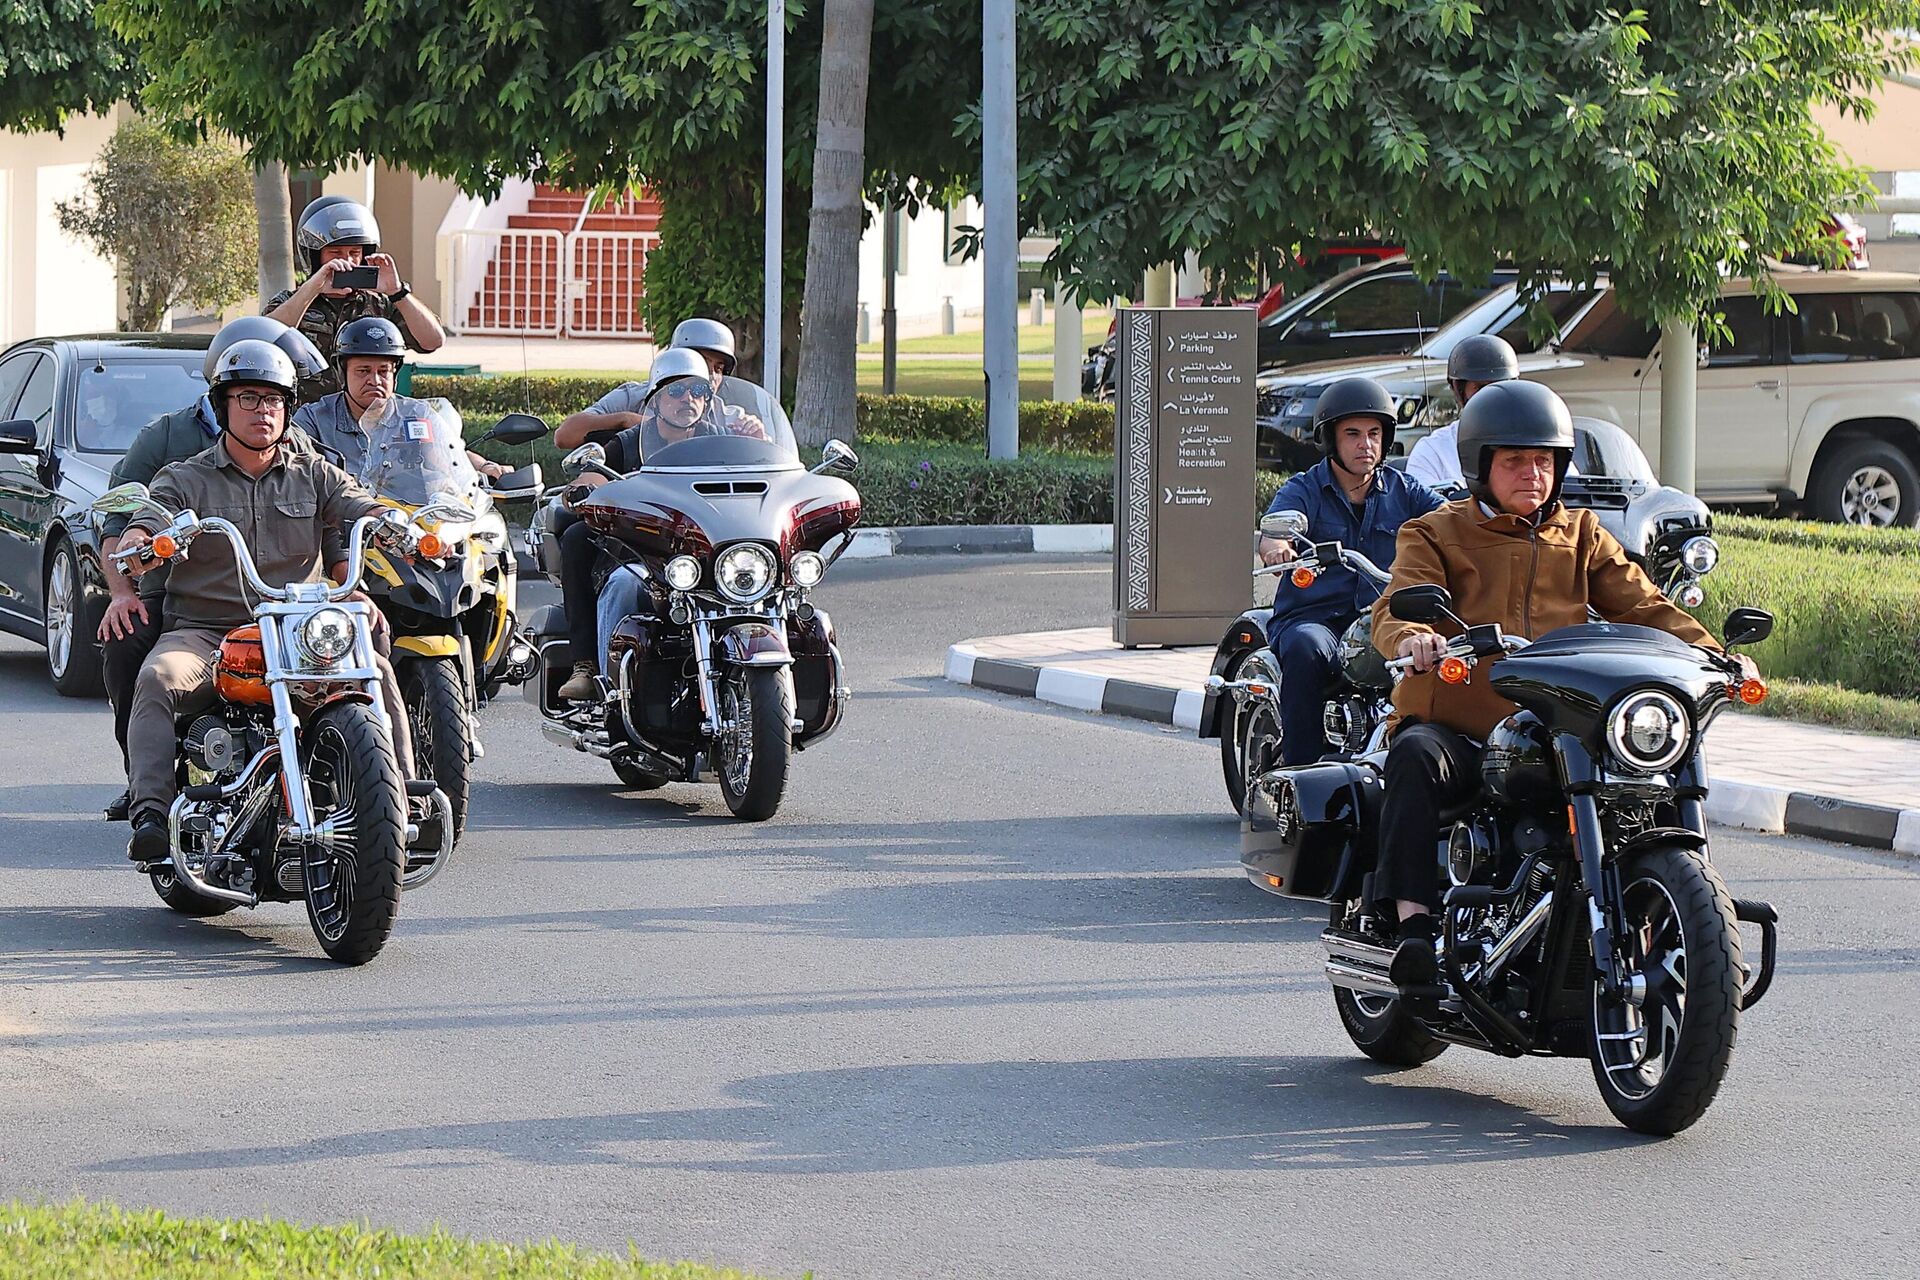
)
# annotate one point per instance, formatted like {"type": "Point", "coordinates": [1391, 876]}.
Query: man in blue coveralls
{"type": "Point", "coordinates": [1350, 498]}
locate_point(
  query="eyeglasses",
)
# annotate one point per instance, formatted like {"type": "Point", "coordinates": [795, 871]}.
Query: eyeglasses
{"type": "Point", "coordinates": [688, 390]}
{"type": "Point", "coordinates": [251, 400]}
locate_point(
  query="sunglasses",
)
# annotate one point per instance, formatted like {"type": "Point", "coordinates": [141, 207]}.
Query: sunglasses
{"type": "Point", "coordinates": [686, 391]}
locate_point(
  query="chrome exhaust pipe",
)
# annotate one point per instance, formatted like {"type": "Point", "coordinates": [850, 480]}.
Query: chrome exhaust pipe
{"type": "Point", "coordinates": [1364, 982]}
{"type": "Point", "coordinates": [421, 866]}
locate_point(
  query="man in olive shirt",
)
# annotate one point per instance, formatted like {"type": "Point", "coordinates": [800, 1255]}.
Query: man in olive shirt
{"type": "Point", "coordinates": [282, 502]}
{"type": "Point", "coordinates": [132, 620]}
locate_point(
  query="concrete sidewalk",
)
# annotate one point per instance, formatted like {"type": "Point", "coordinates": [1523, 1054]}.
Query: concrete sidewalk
{"type": "Point", "coordinates": [1768, 775]}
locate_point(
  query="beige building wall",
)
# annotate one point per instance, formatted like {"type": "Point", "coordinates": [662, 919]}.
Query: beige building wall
{"type": "Point", "coordinates": [50, 283]}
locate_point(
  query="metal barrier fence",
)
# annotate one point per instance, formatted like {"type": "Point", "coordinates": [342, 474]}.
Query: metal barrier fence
{"type": "Point", "coordinates": [606, 283]}
{"type": "Point", "coordinates": [583, 284]}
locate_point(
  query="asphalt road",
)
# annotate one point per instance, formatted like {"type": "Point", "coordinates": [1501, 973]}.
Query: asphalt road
{"type": "Point", "coordinates": [989, 997]}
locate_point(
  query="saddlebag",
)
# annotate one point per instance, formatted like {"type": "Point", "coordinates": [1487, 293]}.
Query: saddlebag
{"type": "Point", "coordinates": [1309, 830]}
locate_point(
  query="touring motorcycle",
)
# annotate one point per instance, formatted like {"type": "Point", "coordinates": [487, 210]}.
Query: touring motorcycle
{"type": "Point", "coordinates": [453, 618]}
{"type": "Point", "coordinates": [289, 786]}
{"type": "Point", "coordinates": [1667, 532]}
{"type": "Point", "coordinates": [718, 666]}
{"type": "Point", "coordinates": [1584, 917]}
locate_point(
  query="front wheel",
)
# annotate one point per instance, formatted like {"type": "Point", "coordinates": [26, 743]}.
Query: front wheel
{"type": "Point", "coordinates": [442, 731]}
{"type": "Point", "coordinates": [755, 743]}
{"type": "Point", "coordinates": [353, 880]}
{"type": "Point", "coordinates": [1660, 1051]}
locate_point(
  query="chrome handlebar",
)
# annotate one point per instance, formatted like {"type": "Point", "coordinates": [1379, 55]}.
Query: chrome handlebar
{"type": "Point", "coordinates": [1351, 559]}
{"type": "Point", "coordinates": [186, 526]}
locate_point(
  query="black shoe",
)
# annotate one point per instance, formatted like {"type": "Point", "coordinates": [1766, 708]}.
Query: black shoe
{"type": "Point", "coordinates": [1414, 965]}
{"type": "Point", "coordinates": [117, 811]}
{"type": "Point", "coordinates": [149, 843]}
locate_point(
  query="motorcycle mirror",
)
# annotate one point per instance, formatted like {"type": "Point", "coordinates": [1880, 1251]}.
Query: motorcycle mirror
{"type": "Point", "coordinates": [587, 455]}
{"type": "Point", "coordinates": [1283, 524]}
{"type": "Point", "coordinates": [838, 455]}
{"type": "Point", "coordinates": [1747, 626]}
{"type": "Point", "coordinates": [1424, 603]}
{"type": "Point", "coordinates": [515, 428]}
{"type": "Point", "coordinates": [127, 500]}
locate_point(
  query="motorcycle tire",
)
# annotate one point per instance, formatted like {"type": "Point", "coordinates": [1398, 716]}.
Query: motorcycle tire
{"type": "Point", "coordinates": [1232, 772]}
{"type": "Point", "coordinates": [353, 892]}
{"type": "Point", "coordinates": [1380, 1028]}
{"type": "Point", "coordinates": [442, 731]}
{"type": "Point", "coordinates": [753, 791]}
{"type": "Point", "coordinates": [1680, 934]}
{"type": "Point", "coordinates": [183, 899]}
{"type": "Point", "coordinates": [634, 778]}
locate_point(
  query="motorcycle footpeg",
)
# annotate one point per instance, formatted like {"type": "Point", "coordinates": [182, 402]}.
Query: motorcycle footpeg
{"type": "Point", "coordinates": [421, 788]}
{"type": "Point", "coordinates": [1471, 896]}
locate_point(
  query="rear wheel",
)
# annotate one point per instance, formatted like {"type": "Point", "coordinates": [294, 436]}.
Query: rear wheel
{"type": "Point", "coordinates": [1660, 1052]}
{"type": "Point", "coordinates": [183, 899]}
{"type": "Point", "coordinates": [1868, 482]}
{"type": "Point", "coordinates": [755, 743]}
{"type": "Point", "coordinates": [1378, 1026]}
{"type": "Point", "coordinates": [636, 778]}
{"type": "Point", "coordinates": [353, 881]}
{"type": "Point", "coordinates": [73, 654]}
{"type": "Point", "coordinates": [442, 731]}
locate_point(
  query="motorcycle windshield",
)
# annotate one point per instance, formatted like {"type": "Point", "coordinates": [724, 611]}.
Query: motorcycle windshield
{"type": "Point", "coordinates": [417, 454]}
{"type": "Point", "coordinates": [692, 425]}
{"type": "Point", "coordinates": [1603, 449]}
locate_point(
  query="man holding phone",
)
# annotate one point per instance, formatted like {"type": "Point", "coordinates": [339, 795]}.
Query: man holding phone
{"type": "Point", "coordinates": [349, 279]}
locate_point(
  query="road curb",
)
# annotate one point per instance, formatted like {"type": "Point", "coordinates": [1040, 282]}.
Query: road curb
{"type": "Point", "coordinates": [1749, 806]}
{"type": "Point", "coordinates": [982, 539]}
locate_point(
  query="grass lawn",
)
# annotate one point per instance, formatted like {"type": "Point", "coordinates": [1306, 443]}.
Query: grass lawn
{"type": "Point", "coordinates": [1811, 702]}
{"type": "Point", "coordinates": [1034, 339]}
{"type": "Point", "coordinates": [954, 378]}
{"type": "Point", "coordinates": [105, 1243]}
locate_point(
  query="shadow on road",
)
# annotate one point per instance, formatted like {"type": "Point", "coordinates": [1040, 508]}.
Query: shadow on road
{"type": "Point", "coordinates": [1157, 1113]}
{"type": "Point", "coordinates": [142, 942]}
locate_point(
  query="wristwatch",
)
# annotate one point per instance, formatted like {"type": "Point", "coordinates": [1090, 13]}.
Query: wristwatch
{"type": "Point", "coordinates": [406, 291]}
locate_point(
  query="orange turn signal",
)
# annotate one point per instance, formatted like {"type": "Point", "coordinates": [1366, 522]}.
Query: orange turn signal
{"type": "Point", "coordinates": [1751, 692]}
{"type": "Point", "coordinates": [1304, 577]}
{"type": "Point", "coordinates": [1454, 670]}
{"type": "Point", "coordinates": [432, 546]}
{"type": "Point", "coordinates": [1275, 881]}
{"type": "Point", "coordinates": [163, 547]}
{"type": "Point", "coordinates": [1259, 690]}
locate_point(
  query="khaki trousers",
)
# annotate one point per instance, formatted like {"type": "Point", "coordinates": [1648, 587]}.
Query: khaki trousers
{"type": "Point", "coordinates": [177, 680]}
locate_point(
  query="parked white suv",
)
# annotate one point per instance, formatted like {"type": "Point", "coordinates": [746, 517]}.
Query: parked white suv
{"type": "Point", "coordinates": [1822, 406]}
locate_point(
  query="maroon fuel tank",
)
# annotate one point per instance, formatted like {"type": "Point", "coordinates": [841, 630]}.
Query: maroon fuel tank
{"type": "Point", "coordinates": [662, 514]}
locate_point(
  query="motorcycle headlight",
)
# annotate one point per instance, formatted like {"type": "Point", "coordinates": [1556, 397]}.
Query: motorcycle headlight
{"type": "Point", "coordinates": [808, 568]}
{"type": "Point", "coordinates": [327, 635]}
{"type": "Point", "coordinates": [1700, 555]}
{"type": "Point", "coordinates": [1648, 731]}
{"type": "Point", "coordinates": [683, 573]}
{"type": "Point", "coordinates": [744, 572]}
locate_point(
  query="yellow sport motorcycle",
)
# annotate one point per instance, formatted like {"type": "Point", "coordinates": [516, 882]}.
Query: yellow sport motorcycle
{"type": "Point", "coordinates": [452, 613]}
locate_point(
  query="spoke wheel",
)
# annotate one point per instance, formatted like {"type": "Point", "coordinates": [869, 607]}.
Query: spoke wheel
{"type": "Point", "coordinates": [1661, 1049]}
{"type": "Point", "coordinates": [353, 888]}
{"type": "Point", "coordinates": [754, 744]}
{"type": "Point", "coordinates": [73, 655]}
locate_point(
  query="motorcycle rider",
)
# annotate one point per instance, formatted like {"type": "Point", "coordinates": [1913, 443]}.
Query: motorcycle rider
{"type": "Point", "coordinates": [282, 500]}
{"type": "Point", "coordinates": [131, 623]}
{"type": "Point", "coordinates": [1347, 497]}
{"type": "Point", "coordinates": [1480, 361]}
{"type": "Point", "coordinates": [337, 234]}
{"type": "Point", "coordinates": [368, 354]}
{"type": "Point", "coordinates": [619, 409]}
{"type": "Point", "coordinates": [675, 408]}
{"type": "Point", "coordinates": [1510, 554]}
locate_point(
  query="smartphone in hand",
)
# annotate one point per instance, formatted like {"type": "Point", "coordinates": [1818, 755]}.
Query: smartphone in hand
{"type": "Point", "coordinates": [356, 278]}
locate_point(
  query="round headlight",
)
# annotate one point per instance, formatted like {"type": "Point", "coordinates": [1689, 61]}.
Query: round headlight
{"type": "Point", "coordinates": [327, 635]}
{"type": "Point", "coordinates": [1648, 731]}
{"type": "Point", "coordinates": [1700, 555]}
{"type": "Point", "coordinates": [683, 573]}
{"type": "Point", "coordinates": [744, 572]}
{"type": "Point", "coordinates": [808, 568]}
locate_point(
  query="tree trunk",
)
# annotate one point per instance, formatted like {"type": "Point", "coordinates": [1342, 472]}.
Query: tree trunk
{"type": "Point", "coordinates": [272, 206]}
{"type": "Point", "coordinates": [823, 405]}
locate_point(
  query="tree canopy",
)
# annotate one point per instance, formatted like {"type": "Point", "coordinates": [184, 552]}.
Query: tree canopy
{"type": "Point", "coordinates": [54, 61]}
{"type": "Point", "coordinates": [1670, 141]}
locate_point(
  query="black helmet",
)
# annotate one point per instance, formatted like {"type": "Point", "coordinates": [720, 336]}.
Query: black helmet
{"type": "Point", "coordinates": [333, 220]}
{"type": "Point", "coordinates": [1513, 415]}
{"type": "Point", "coordinates": [1353, 398]}
{"type": "Point", "coordinates": [1482, 358]}
{"type": "Point", "coordinates": [307, 360]}
{"type": "Point", "coordinates": [701, 334]}
{"type": "Point", "coordinates": [369, 336]}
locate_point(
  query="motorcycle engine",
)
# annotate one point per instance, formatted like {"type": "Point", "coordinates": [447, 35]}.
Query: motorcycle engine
{"type": "Point", "coordinates": [217, 748]}
{"type": "Point", "coordinates": [1348, 723]}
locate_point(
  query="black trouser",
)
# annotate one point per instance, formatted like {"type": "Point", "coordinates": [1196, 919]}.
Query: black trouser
{"type": "Point", "coordinates": [120, 666]}
{"type": "Point", "coordinates": [1429, 768]}
{"type": "Point", "coordinates": [577, 594]}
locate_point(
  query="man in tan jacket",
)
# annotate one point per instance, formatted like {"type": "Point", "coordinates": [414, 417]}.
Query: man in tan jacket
{"type": "Point", "coordinates": [1509, 554]}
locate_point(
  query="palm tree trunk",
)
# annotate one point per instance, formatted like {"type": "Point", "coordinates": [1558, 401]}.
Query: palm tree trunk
{"type": "Point", "coordinates": [271, 206]}
{"type": "Point", "coordinates": [823, 405]}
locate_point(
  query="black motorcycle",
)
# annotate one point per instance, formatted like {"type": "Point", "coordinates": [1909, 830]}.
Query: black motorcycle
{"type": "Point", "coordinates": [1584, 917]}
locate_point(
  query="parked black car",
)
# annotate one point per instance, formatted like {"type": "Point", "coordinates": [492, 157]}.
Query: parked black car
{"type": "Point", "coordinates": [69, 407]}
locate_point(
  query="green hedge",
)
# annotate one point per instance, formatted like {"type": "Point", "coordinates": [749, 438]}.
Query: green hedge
{"type": "Point", "coordinates": [912, 485]}
{"type": "Point", "coordinates": [553, 398]}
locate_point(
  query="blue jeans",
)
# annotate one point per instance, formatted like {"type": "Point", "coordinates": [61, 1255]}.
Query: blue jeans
{"type": "Point", "coordinates": [618, 598]}
{"type": "Point", "coordinates": [1309, 657]}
